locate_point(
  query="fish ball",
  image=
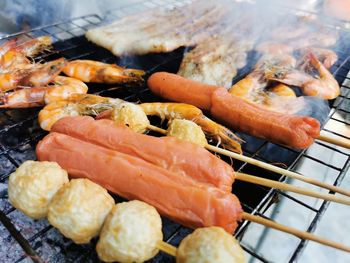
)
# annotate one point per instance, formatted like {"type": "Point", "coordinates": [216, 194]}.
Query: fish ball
{"type": "Point", "coordinates": [79, 209]}
{"type": "Point", "coordinates": [130, 233]}
{"type": "Point", "coordinates": [209, 244]}
{"type": "Point", "coordinates": [187, 131]}
{"type": "Point", "coordinates": [32, 186]}
{"type": "Point", "coordinates": [132, 116]}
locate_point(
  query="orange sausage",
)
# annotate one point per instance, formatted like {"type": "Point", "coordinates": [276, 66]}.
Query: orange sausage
{"type": "Point", "coordinates": [295, 131]}
{"type": "Point", "coordinates": [183, 158]}
{"type": "Point", "coordinates": [176, 88]}
{"type": "Point", "coordinates": [181, 198]}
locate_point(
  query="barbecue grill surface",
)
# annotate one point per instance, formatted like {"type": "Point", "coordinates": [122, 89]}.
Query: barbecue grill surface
{"type": "Point", "coordinates": [19, 134]}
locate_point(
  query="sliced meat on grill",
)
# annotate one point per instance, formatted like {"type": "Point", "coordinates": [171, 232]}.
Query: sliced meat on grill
{"type": "Point", "coordinates": [183, 158]}
{"type": "Point", "coordinates": [183, 199]}
{"type": "Point", "coordinates": [159, 30]}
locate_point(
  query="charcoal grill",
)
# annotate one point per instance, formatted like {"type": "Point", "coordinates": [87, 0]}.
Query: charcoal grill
{"type": "Point", "coordinates": [22, 238]}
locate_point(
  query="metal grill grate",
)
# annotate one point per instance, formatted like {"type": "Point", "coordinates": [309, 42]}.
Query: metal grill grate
{"type": "Point", "coordinates": [19, 134]}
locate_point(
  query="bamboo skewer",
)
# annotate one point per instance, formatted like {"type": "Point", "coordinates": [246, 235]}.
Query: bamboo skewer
{"type": "Point", "coordinates": [278, 170]}
{"type": "Point", "coordinates": [167, 248]}
{"type": "Point", "coordinates": [266, 166]}
{"type": "Point", "coordinates": [286, 187]}
{"type": "Point", "coordinates": [295, 232]}
{"type": "Point", "coordinates": [339, 142]}
{"type": "Point", "coordinates": [171, 250]}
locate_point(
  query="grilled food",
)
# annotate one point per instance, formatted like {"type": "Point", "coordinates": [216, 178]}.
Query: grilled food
{"type": "Point", "coordinates": [209, 244]}
{"type": "Point", "coordinates": [159, 30]}
{"type": "Point", "coordinates": [131, 233]}
{"type": "Point", "coordinates": [109, 108]}
{"type": "Point", "coordinates": [337, 8]}
{"type": "Point", "coordinates": [324, 85]}
{"type": "Point", "coordinates": [215, 61]}
{"type": "Point", "coordinates": [187, 131]}
{"type": "Point", "coordinates": [32, 186]}
{"type": "Point", "coordinates": [180, 198]}
{"type": "Point", "coordinates": [79, 209]}
{"type": "Point", "coordinates": [95, 71]}
{"type": "Point", "coordinates": [183, 158]}
{"type": "Point", "coordinates": [131, 115]}
{"type": "Point", "coordinates": [294, 131]}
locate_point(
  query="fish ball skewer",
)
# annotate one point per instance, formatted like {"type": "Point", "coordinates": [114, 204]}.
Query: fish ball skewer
{"type": "Point", "coordinates": [131, 233]}
{"type": "Point", "coordinates": [33, 185]}
{"type": "Point", "coordinates": [305, 235]}
{"type": "Point", "coordinates": [187, 131]}
{"type": "Point", "coordinates": [131, 115]}
{"type": "Point", "coordinates": [209, 244]}
{"type": "Point", "coordinates": [79, 209]}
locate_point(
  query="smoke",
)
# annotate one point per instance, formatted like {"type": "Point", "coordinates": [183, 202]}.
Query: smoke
{"type": "Point", "coordinates": [225, 39]}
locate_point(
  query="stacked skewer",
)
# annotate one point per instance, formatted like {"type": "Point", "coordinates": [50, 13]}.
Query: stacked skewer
{"type": "Point", "coordinates": [132, 230]}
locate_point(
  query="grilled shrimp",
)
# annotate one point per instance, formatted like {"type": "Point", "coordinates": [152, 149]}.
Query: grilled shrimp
{"type": "Point", "coordinates": [63, 88]}
{"type": "Point", "coordinates": [282, 90]}
{"type": "Point", "coordinates": [15, 57]}
{"type": "Point", "coordinates": [38, 75]}
{"type": "Point", "coordinates": [26, 97]}
{"type": "Point", "coordinates": [94, 71]}
{"type": "Point", "coordinates": [75, 105]}
{"type": "Point", "coordinates": [7, 46]}
{"type": "Point", "coordinates": [34, 46]}
{"type": "Point", "coordinates": [274, 48]}
{"type": "Point", "coordinates": [171, 111]}
{"type": "Point", "coordinates": [42, 74]}
{"type": "Point", "coordinates": [57, 110]}
{"type": "Point", "coordinates": [324, 86]}
{"type": "Point", "coordinates": [326, 56]}
{"type": "Point", "coordinates": [9, 81]}
{"type": "Point", "coordinates": [250, 88]}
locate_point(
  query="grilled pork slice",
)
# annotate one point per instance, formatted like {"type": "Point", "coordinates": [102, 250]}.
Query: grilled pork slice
{"type": "Point", "coordinates": [183, 158]}
{"type": "Point", "coordinates": [181, 198]}
{"type": "Point", "coordinates": [214, 63]}
{"type": "Point", "coordinates": [160, 30]}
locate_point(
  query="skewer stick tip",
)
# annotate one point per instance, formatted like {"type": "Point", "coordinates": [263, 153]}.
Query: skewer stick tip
{"type": "Point", "coordinates": [301, 234]}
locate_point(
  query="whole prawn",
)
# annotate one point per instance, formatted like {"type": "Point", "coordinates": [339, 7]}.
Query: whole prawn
{"type": "Point", "coordinates": [324, 85]}
{"type": "Point", "coordinates": [25, 97]}
{"type": "Point", "coordinates": [94, 71]}
{"type": "Point", "coordinates": [37, 76]}
{"type": "Point", "coordinates": [171, 111]}
{"type": "Point", "coordinates": [14, 56]}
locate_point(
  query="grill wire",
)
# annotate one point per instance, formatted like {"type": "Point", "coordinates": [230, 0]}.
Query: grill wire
{"type": "Point", "coordinates": [19, 134]}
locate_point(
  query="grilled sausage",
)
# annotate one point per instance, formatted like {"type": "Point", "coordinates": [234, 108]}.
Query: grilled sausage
{"type": "Point", "coordinates": [293, 131]}
{"type": "Point", "coordinates": [183, 158]}
{"type": "Point", "coordinates": [183, 199]}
